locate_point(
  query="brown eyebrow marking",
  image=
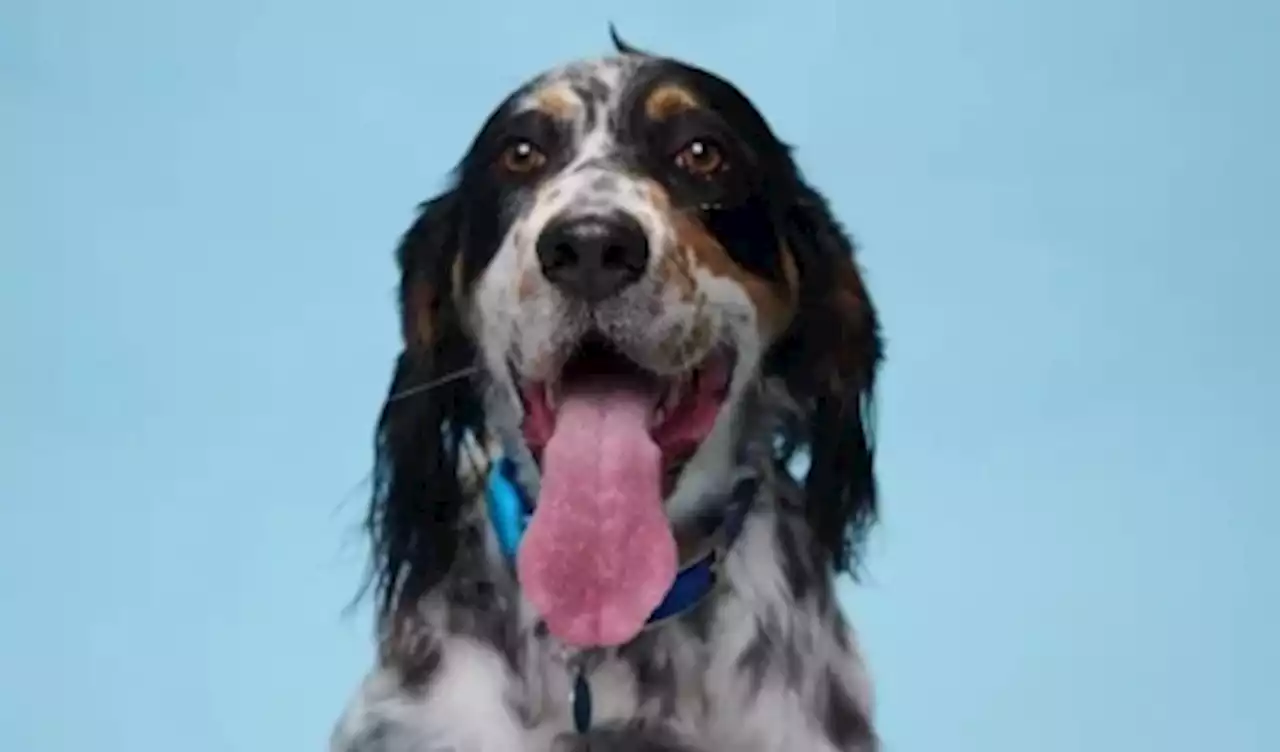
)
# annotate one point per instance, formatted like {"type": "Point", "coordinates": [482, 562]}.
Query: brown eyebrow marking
{"type": "Point", "coordinates": [668, 100]}
{"type": "Point", "coordinates": [556, 100]}
{"type": "Point", "coordinates": [775, 301]}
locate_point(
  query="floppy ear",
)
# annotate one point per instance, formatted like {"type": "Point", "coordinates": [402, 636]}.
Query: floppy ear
{"type": "Point", "coordinates": [429, 410]}
{"type": "Point", "coordinates": [828, 360]}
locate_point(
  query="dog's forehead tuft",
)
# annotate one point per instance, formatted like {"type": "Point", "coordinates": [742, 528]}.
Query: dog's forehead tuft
{"type": "Point", "coordinates": [589, 84]}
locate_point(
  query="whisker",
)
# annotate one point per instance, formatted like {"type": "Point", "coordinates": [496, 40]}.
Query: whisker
{"type": "Point", "coordinates": [433, 384]}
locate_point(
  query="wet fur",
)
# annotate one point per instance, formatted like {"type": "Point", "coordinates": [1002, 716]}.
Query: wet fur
{"type": "Point", "coordinates": [766, 663]}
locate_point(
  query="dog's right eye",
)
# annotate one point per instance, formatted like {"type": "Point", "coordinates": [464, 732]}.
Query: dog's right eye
{"type": "Point", "coordinates": [521, 157]}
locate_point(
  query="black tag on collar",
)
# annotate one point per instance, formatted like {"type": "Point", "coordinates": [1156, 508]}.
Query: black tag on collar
{"type": "Point", "coordinates": [580, 701]}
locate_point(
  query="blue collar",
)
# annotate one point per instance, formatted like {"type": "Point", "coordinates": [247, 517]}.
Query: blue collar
{"type": "Point", "coordinates": [509, 512]}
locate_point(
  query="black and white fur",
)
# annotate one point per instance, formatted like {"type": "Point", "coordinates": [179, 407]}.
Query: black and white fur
{"type": "Point", "coordinates": [767, 662]}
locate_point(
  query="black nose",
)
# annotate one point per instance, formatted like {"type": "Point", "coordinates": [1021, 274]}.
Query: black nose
{"type": "Point", "coordinates": [593, 257]}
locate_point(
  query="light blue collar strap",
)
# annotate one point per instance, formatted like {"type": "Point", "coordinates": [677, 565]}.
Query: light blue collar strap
{"type": "Point", "coordinates": [509, 513]}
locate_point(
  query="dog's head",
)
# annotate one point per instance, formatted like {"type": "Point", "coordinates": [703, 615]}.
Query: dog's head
{"type": "Point", "coordinates": [634, 219]}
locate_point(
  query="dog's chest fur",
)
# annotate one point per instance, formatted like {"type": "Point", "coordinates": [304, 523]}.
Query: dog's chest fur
{"type": "Point", "coordinates": [766, 663]}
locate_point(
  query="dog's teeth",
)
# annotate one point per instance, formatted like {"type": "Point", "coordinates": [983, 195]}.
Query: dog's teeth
{"type": "Point", "coordinates": [552, 396]}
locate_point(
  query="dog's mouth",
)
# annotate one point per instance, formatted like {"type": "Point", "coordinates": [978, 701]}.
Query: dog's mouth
{"type": "Point", "coordinates": [681, 408]}
{"type": "Point", "coordinates": [599, 553]}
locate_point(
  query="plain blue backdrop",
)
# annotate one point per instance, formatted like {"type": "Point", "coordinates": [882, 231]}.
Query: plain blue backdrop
{"type": "Point", "coordinates": [1068, 214]}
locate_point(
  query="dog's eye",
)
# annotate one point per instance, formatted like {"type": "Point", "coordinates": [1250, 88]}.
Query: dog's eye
{"type": "Point", "coordinates": [701, 157]}
{"type": "Point", "coordinates": [522, 157]}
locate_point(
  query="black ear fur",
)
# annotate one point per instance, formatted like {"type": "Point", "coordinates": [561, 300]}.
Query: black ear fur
{"type": "Point", "coordinates": [417, 495]}
{"type": "Point", "coordinates": [828, 360]}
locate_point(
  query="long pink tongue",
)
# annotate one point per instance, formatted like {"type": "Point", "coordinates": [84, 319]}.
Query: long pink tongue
{"type": "Point", "coordinates": [598, 555]}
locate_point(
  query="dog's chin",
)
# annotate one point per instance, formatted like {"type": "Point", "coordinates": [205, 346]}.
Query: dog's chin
{"type": "Point", "coordinates": [683, 408]}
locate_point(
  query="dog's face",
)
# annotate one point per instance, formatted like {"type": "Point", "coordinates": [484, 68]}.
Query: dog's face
{"type": "Point", "coordinates": [625, 224]}
{"type": "Point", "coordinates": [635, 217]}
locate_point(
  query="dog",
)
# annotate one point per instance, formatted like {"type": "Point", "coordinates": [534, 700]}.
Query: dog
{"type": "Point", "coordinates": [628, 443]}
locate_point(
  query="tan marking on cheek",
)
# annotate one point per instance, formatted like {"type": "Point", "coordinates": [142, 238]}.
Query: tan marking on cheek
{"type": "Point", "coordinates": [668, 100]}
{"type": "Point", "coordinates": [774, 301]}
{"type": "Point", "coordinates": [675, 275]}
{"type": "Point", "coordinates": [675, 271]}
{"type": "Point", "coordinates": [557, 101]}
{"type": "Point", "coordinates": [656, 194]}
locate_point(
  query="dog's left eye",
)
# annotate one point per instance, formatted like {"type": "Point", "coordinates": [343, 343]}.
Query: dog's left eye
{"type": "Point", "coordinates": [701, 157]}
{"type": "Point", "coordinates": [522, 157]}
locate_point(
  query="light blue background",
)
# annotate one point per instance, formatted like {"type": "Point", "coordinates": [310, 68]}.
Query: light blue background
{"type": "Point", "coordinates": [1068, 213]}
